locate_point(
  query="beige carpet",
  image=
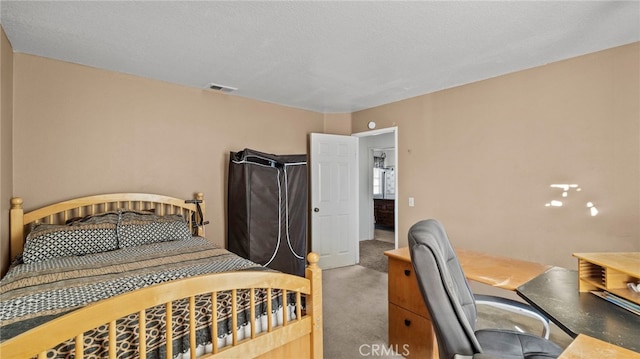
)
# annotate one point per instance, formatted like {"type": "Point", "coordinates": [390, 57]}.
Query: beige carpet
{"type": "Point", "coordinates": [372, 254]}
{"type": "Point", "coordinates": [355, 312]}
{"type": "Point", "coordinates": [384, 235]}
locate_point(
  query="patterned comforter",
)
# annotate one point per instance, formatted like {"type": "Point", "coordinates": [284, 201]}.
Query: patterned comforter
{"type": "Point", "coordinates": [34, 293]}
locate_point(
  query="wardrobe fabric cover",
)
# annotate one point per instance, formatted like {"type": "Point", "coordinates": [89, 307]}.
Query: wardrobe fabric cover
{"type": "Point", "coordinates": [267, 209]}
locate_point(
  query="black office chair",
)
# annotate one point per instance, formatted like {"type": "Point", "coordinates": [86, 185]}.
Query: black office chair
{"type": "Point", "coordinates": [452, 305]}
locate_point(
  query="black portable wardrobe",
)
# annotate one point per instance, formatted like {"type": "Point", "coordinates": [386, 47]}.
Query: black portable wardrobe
{"type": "Point", "coordinates": [267, 209]}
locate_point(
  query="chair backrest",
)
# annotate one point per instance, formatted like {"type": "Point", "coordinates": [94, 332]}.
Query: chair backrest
{"type": "Point", "coordinates": [444, 289]}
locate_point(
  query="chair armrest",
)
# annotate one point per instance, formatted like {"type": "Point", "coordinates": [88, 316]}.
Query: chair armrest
{"type": "Point", "coordinates": [516, 307]}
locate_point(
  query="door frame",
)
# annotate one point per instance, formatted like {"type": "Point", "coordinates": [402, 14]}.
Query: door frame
{"type": "Point", "coordinates": [361, 175]}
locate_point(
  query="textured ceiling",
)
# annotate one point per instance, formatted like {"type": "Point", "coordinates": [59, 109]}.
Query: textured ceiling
{"type": "Point", "coordinates": [329, 56]}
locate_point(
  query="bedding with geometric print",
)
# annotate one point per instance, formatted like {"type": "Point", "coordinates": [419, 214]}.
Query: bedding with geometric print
{"type": "Point", "coordinates": [33, 293]}
{"type": "Point", "coordinates": [85, 236]}
{"type": "Point", "coordinates": [137, 228]}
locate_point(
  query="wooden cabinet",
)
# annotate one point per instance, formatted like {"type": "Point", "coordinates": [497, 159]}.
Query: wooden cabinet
{"type": "Point", "coordinates": [384, 212]}
{"type": "Point", "coordinates": [609, 271]}
{"type": "Point", "coordinates": [410, 330]}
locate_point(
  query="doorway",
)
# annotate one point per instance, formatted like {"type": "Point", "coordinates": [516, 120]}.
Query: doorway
{"type": "Point", "coordinates": [378, 210]}
{"type": "Point", "coordinates": [341, 171]}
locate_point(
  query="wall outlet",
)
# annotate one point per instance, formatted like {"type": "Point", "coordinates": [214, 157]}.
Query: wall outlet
{"type": "Point", "coordinates": [411, 202]}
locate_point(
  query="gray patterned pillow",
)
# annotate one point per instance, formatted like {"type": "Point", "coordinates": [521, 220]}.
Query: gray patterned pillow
{"type": "Point", "coordinates": [137, 228]}
{"type": "Point", "coordinates": [90, 235]}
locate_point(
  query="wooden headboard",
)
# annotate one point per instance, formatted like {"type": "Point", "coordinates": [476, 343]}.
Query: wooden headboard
{"type": "Point", "coordinates": [59, 213]}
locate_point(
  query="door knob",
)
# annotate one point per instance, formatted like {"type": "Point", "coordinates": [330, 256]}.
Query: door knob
{"type": "Point", "coordinates": [316, 209]}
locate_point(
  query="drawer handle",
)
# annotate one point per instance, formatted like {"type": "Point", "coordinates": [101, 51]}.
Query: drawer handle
{"type": "Point", "coordinates": [407, 272]}
{"type": "Point", "coordinates": [407, 322]}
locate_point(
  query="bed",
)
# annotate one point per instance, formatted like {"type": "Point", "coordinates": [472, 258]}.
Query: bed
{"type": "Point", "coordinates": [117, 302]}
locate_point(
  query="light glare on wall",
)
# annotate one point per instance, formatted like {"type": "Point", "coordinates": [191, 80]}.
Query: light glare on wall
{"type": "Point", "coordinates": [566, 188]}
{"type": "Point", "coordinates": [592, 209]}
{"type": "Point", "coordinates": [554, 203]}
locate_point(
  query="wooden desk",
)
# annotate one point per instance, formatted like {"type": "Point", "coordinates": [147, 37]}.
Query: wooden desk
{"type": "Point", "coordinates": [555, 293]}
{"type": "Point", "coordinates": [409, 320]}
{"type": "Point", "coordinates": [500, 272]}
{"type": "Point", "coordinates": [586, 347]}
{"type": "Point", "coordinates": [513, 274]}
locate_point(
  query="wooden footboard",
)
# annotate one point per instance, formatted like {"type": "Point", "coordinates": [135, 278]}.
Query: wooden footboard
{"type": "Point", "coordinates": [297, 337]}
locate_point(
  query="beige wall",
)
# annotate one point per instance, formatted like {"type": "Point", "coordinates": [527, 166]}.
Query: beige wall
{"type": "Point", "coordinates": [80, 131]}
{"type": "Point", "coordinates": [6, 143]}
{"type": "Point", "coordinates": [481, 158]}
{"type": "Point", "coordinates": [337, 123]}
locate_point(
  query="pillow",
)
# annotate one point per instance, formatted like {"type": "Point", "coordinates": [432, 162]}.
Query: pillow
{"type": "Point", "coordinates": [137, 228]}
{"type": "Point", "coordinates": [92, 234]}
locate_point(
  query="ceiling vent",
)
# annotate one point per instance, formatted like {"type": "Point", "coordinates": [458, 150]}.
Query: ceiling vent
{"type": "Point", "coordinates": [221, 87]}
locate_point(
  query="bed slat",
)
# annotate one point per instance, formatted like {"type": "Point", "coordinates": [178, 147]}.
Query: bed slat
{"type": "Point", "coordinates": [169, 328]}
{"type": "Point", "coordinates": [79, 344]}
{"type": "Point", "coordinates": [142, 334]}
{"type": "Point", "coordinates": [112, 339]}
{"type": "Point", "coordinates": [192, 326]}
{"type": "Point", "coordinates": [269, 311]}
{"type": "Point", "coordinates": [214, 321]}
{"type": "Point", "coordinates": [252, 315]}
{"type": "Point", "coordinates": [234, 317]}
{"type": "Point", "coordinates": [298, 306]}
{"type": "Point", "coordinates": [284, 307]}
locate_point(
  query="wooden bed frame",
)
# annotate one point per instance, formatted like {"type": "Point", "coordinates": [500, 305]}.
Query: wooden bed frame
{"type": "Point", "coordinates": [297, 338]}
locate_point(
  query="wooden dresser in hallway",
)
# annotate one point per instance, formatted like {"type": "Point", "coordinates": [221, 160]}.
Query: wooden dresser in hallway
{"type": "Point", "coordinates": [384, 212]}
{"type": "Point", "coordinates": [410, 330]}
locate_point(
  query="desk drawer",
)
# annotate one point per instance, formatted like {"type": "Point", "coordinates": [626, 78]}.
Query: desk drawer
{"type": "Point", "coordinates": [410, 334]}
{"type": "Point", "coordinates": [403, 287]}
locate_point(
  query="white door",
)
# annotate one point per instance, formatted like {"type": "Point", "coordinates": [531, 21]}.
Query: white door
{"type": "Point", "coordinates": [334, 199]}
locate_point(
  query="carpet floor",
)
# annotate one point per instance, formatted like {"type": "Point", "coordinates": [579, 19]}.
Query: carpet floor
{"type": "Point", "coordinates": [372, 254]}
{"type": "Point", "coordinates": [355, 311]}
